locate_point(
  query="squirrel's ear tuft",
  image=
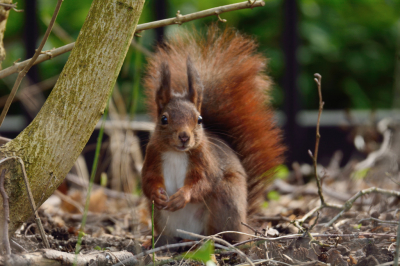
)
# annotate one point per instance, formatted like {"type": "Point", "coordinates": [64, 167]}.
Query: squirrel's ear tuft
{"type": "Point", "coordinates": [163, 95]}
{"type": "Point", "coordinates": [195, 86]}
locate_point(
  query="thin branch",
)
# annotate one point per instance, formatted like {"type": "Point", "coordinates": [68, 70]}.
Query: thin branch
{"type": "Point", "coordinates": [348, 204]}
{"type": "Point", "coordinates": [179, 19]}
{"type": "Point", "coordinates": [295, 236]}
{"type": "Point", "coordinates": [6, 207]}
{"type": "Point", "coordinates": [317, 80]}
{"type": "Point", "coordinates": [22, 74]}
{"type": "Point", "coordinates": [216, 239]}
{"type": "Point", "coordinates": [47, 55]}
{"type": "Point", "coordinates": [30, 197]}
{"type": "Point", "coordinates": [17, 246]}
{"type": "Point", "coordinates": [377, 220]}
{"type": "Point", "coordinates": [11, 6]}
{"type": "Point", "coordinates": [266, 260]}
{"type": "Point", "coordinates": [252, 229]}
{"type": "Point", "coordinates": [33, 205]}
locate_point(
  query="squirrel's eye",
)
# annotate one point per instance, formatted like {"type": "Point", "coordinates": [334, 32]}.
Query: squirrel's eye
{"type": "Point", "coordinates": [164, 120]}
{"type": "Point", "coordinates": [199, 120]}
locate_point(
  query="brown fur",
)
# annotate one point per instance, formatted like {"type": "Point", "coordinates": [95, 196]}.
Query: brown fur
{"type": "Point", "coordinates": [230, 88]}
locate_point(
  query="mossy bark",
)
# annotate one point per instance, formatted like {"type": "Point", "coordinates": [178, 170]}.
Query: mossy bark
{"type": "Point", "coordinates": [50, 145]}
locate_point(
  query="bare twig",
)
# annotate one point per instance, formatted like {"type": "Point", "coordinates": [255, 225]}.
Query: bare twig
{"type": "Point", "coordinates": [314, 157]}
{"type": "Point", "coordinates": [30, 197]}
{"type": "Point", "coordinates": [33, 205]}
{"type": "Point", "coordinates": [317, 80]}
{"type": "Point", "coordinates": [179, 19]}
{"type": "Point", "coordinates": [348, 204]}
{"type": "Point", "coordinates": [17, 246]}
{"type": "Point", "coordinates": [252, 229]}
{"type": "Point", "coordinates": [295, 236]}
{"type": "Point", "coordinates": [216, 239]}
{"type": "Point", "coordinates": [11, 6]}
{"type": "Point", "coordinates": [6, 207]}
{"type": "Point", "coordinates": [377, 220]}
{"type": "Point", "coordinates": [263, 261]}
{"type": "Point", "coordinates": [22, 74]}
{"type": "Point", "coordinates": [41, 58]}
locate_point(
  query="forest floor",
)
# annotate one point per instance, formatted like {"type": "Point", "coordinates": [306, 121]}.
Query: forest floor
{"type": "Point", "coordinates": [363, 235]}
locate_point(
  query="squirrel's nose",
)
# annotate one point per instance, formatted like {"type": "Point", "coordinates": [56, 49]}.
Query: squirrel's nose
{"type": "Point", "coordinates": [183, 136]}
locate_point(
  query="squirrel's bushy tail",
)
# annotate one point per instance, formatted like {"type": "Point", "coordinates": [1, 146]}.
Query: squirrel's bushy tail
{"type": "Point", "coordinates": [235, 100]}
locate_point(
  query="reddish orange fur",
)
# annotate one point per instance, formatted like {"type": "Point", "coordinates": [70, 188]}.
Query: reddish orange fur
{"type": "Point", "coordinates": [234, 103]}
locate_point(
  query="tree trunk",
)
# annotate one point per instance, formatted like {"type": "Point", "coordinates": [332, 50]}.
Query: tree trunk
{"type": "Point", "coordinates": [4, 11]}
{"type": "Point", "coordinates": [50, 145]}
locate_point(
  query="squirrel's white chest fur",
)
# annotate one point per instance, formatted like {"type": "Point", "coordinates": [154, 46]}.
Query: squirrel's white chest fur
{"type": "Point", "coordinates": [192, 217]}
{"type": "Point", "coordinates": [174, 166]}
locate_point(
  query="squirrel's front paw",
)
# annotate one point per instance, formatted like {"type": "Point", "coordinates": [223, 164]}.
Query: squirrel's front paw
{"type": "Point", "coordinates": [160, 198]}
{"type": "Point", "coordinates": [178, 200]}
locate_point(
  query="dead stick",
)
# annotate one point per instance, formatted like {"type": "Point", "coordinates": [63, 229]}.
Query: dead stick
{"type": "Point", "coordinates": [295, 236]}
{"type": "Point", "coordinates": [6, 207]}
{"type": "Point", "coordinates": [317, 80]}
{"type": "Point", "coordinates": [33, 205]}
{"type": "Point", "coordinates": [252, 229]}
{"type": "Point", "coordinates": [348, 204]}
{"type": "Point", "coordinates": [179, 19]}
{"type": "Point", "coordinates": [22, 74]}
{"type": "Point", "coordinates": [30, 197]}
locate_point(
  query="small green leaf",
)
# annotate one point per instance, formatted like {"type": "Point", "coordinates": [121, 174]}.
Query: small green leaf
{"type": "Point", "coordinates": [265, 204]}
{"type": "Point", "coordinates": [273, 195]}
{"type": "Point", "coordinates": [282, 171]}
{"type": "Point", "coordinates": [103, 179]}
{"type": "Point", "coordinates": [203, 254]}
{"type": "Point", "coordinates": [97, 248]}
{"type": "Point", "coordinates": [361, 173]}
{"type": "Point", "coordinates": [357, 226]}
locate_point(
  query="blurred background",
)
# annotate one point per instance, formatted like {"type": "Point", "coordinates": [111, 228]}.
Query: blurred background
{"type": "Point", "coordinates": [354, 45]}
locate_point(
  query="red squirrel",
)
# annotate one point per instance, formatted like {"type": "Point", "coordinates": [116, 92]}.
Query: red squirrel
{"type": "Point", "coordinates": [215, 143]}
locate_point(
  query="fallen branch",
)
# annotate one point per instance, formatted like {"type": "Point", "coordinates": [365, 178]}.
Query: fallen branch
{"type": "Point", "coordinates": [348, 204]}
{"type": "Point", "coordinates": [377, 220]}
{"type": "Point", "coordinates": [179, 19]}
{"type": "Point", "coordinates": [295, 236]}
{"type": "Point", "coordinates": [54, 257]}
{"type": "Point", "coordinates": [23, 73]}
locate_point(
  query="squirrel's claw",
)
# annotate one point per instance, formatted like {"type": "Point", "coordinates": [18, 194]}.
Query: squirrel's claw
{"type": "Point", "coordinates": [160, 198]}
{"type": "Point", "coordinates": [178, 200]}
